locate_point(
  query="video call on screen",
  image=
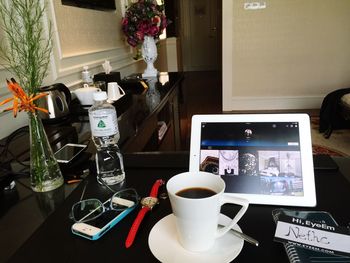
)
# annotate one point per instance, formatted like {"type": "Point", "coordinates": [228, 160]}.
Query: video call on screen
{"type": "Point", "coordinates": [255, 158]}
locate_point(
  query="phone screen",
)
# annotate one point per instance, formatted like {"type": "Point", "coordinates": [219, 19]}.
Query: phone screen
{"type": "Point", "coordinates": [68, 152]}
{"type": "Point", "coordinates": [104, 219]}
{"type": "Point", "coordinates": [92, 229]}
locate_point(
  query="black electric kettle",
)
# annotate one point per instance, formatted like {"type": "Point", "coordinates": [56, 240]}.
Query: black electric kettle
{"type": "Point", "coordinates": [56, 102]}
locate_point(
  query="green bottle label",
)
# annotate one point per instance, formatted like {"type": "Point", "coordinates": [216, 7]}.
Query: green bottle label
{"type": "Point", "coordinates": [101, 124]}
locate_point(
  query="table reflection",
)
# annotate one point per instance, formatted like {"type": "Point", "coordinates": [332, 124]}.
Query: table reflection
{"type": "Point", "coordinates": [152, 94]}
{"type": "Point", "coordinates": [49, 201]}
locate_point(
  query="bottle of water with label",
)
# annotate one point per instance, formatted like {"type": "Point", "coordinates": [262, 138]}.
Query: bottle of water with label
{"type": "Point", "coordinates": [105, 135]}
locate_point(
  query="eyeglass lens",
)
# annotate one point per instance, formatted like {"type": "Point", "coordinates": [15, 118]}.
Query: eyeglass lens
{"type": "Point", "coordinates": [90, 209]}
{"type": "Point", "coordinates": [87, 210]}
{"type": "Point", "coordinates": [124, 199]}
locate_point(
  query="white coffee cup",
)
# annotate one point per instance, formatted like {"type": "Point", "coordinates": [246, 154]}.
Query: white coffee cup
{"type": "Point", "coordinates": [84, 94]}
{"type": "Point", "coordinates": [197, 218]}
{"type": "Point", "coordinates": [114, 91]}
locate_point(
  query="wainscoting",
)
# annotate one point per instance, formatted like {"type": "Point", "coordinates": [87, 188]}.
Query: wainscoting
{"type": "Point", "coordinates": [202, 94]}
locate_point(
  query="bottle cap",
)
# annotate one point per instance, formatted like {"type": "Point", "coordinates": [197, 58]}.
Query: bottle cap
{"type": "Point", "coordinates": [99, 95]}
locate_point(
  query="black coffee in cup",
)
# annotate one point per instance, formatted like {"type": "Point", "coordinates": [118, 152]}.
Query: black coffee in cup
{"type": "Point", "coordinates": [195, 192]}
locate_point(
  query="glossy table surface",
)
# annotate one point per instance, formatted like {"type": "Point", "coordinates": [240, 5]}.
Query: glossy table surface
{"type": "Point", "coordinates": [54, 242]}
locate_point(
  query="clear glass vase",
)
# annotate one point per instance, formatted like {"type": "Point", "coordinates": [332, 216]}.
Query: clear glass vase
{"type": "Point", "coordinates": [45, 173]}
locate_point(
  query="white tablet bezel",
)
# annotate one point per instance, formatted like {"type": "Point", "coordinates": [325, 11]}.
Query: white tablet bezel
{"type": "Point", "coordinates": [309, 197]}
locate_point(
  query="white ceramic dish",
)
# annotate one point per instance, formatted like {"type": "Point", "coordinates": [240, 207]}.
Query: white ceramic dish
{"type": "Point", "coordinates": [166, 248]}
{"type": "Point", "coordinates": [85, 94]}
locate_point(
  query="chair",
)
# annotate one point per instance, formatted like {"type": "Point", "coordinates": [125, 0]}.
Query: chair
{"type": "Point", "coordinates": [345, 106]}
{"type": "Point", "coordinates": [335, 112]}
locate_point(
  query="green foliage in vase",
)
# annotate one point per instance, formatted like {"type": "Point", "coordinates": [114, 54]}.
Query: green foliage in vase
{"type": "Point", "coordinates": [44, 169]}
{"type": "Point", "coordinates": [27, 47]}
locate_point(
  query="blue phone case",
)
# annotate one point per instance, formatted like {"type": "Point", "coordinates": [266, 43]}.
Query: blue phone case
{"type": "Point", "coordinates": [105, 228]}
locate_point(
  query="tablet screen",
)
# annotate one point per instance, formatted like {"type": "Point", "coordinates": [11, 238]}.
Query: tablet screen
{"type": "Point", "coordinates": [254, 157]}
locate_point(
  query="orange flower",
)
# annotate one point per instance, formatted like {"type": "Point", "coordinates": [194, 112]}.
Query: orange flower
{"type": "Point", "coordinates": [21, 101]}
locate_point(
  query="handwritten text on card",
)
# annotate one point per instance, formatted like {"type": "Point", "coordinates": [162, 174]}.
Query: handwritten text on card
{"type": "Point", "coordinates": [331, 239]}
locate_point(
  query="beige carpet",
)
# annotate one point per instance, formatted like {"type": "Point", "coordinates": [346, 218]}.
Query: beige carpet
{"type": "Point", "coordinates": [337, 144]}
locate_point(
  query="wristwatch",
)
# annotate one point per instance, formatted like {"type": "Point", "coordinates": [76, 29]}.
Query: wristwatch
{"type": "Point", "coordinates": [147, 204]}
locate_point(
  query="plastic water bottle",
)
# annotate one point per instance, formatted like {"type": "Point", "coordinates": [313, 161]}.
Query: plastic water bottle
{"type": "Point", "coordinates": [86, 76]}
{"type": "Point", "coordinates": [105, 135]}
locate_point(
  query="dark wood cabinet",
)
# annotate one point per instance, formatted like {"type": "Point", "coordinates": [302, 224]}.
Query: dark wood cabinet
{"type": "Point", "coordinates": [148, 120]}
{"type": "Point", "coordinates": [160, 128]}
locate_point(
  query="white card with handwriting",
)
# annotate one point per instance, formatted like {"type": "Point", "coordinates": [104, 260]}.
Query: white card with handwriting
{"type": "Point", "coordinates": [313, 235]}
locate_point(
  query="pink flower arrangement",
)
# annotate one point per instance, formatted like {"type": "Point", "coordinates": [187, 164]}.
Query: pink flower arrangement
{"type": "Point", "coordinates": [143, 18]}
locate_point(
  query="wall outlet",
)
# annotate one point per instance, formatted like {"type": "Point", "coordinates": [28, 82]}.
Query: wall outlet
{"type": "Point", "coordinates": [254, 5]}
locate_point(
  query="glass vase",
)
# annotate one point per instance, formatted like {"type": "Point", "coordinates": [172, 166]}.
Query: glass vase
{"type": "Point", "coordinates": [149, 55]}
{"type": "Point", "coordinates": [45, 173]}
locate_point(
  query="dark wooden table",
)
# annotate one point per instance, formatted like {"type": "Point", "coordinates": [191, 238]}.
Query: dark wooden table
{"type": "Point", "coordinates": [54, 242]}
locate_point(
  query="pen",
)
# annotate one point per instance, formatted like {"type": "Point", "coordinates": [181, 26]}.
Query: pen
{"type": "Point", "coordinates": [74, 181]}
{"type": "Point", "coordinates": [244, 237]}
{"type": "Point", "coordinates": [83, 192]}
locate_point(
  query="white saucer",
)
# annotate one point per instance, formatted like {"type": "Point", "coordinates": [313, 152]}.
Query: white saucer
{"type": "Point", "coordinates": [165, 247]}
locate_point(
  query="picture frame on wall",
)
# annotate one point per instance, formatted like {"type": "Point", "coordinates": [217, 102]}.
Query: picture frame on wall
{"type": "Point", "coordinates": [105, 5]}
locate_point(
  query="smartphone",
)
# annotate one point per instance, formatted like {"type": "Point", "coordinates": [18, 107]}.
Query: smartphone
{"type": "Point", "coordinates": [68, 152]}
{"type": "Point", "coordinates": [96, 228]}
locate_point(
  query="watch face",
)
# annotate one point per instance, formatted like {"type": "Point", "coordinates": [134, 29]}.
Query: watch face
{"type": "Point", "coordinates": [149, 202]}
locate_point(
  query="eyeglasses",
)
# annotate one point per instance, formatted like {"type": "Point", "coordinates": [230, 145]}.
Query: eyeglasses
{"type": "Point", "coordinates": [90, 209]}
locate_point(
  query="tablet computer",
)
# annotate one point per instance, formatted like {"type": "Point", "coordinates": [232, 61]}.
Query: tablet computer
{"type": "Point", "coordinates": [265, 158]}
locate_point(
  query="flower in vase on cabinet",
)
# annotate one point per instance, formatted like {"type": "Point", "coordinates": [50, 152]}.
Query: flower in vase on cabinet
{"type": "Point", "coordinates": [143, 18]}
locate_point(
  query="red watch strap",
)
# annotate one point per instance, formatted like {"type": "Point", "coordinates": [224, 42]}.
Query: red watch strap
{"type": "Point", "coordinates": [155, 187]}
{"type": "Point", "coordinates": [135, 226]}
